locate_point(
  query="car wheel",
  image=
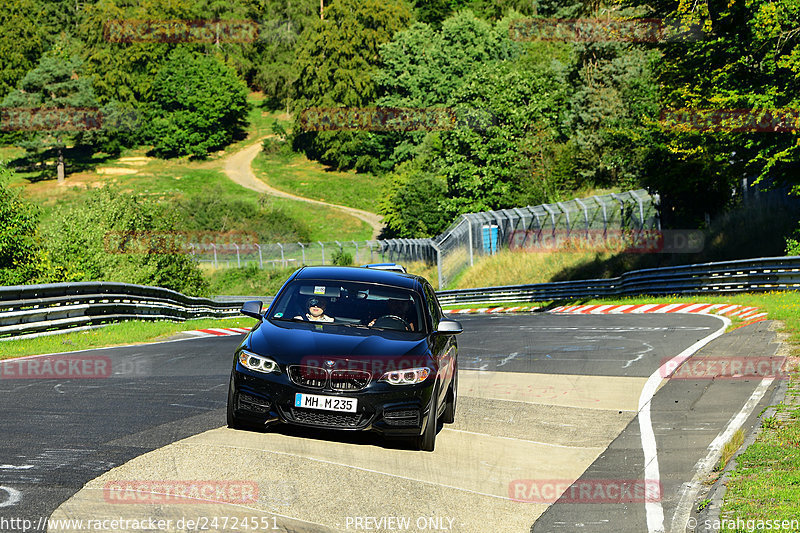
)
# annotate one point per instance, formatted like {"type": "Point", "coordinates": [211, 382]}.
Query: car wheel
{"type": "Point", "coordinates": [234, 422]}
{"type": "Point", "coordinates": [449, 415]}
{"type": "Point", "coordinates": [427, 440]}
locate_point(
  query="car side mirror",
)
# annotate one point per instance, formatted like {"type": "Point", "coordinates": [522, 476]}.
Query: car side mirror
{"type": "Point", "coordinates": [253, 309]}
{"type": "Point", "coordinates": [449, 327]}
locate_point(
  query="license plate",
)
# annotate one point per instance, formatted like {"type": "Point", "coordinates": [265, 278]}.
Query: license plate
{"type": "Point", "coordinates": [328, 403]}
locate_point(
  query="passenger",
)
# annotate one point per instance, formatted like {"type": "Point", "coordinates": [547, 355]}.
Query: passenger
{"type": "Point", "coordinates": [316, 311]}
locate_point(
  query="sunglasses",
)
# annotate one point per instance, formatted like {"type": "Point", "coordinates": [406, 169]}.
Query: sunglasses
{"type": "Point", "coordinates": [316, 303]}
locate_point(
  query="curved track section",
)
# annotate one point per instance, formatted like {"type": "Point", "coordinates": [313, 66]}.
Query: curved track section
{"type": "Point", "coordinates": [547, 403]}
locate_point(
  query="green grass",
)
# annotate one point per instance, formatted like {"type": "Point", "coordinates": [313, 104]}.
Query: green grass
{"type": "Point", "coordinates": [247, 281]}
{"type": "Point", "coordinates": [295, 174]}
{"type": "Point", "coordinates": [132, 332]}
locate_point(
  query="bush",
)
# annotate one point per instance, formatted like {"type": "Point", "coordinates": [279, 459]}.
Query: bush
{"type": "Point", "coordinates": [199, 105]}
{"type": "Point", "coordinates": [342, 258]}
{"type": "Point", "coordinates": [21, 257]}
{"type": "Point", "coordinates": [88, 243]}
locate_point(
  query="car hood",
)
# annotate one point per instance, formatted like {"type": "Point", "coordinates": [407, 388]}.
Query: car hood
{"type": "Point", "coordinates": [289, 342]}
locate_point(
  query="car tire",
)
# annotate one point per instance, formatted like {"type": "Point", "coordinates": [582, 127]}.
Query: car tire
{"type": "Point", "coordinates": [427, 441]}
{"type": "Point", "coordinates": [234, 422]}
{"type": "Point", "coordinates": [449, 415]}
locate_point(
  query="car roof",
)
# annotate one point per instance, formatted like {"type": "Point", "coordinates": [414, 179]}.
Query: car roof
{"type": "Point", "coordinates": [367, 275]}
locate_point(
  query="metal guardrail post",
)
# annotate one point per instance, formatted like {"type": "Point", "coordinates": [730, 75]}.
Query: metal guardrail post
{"type": "Point", "coordinates": [238, 260]}
{"type": "Point", "coordinates": [214, 245]}
{"type": "Point", "coordinates": [323, 251]}
{"type": "Point", "coordinates": [356, 245]}
{"type": "Point", "coordinates": [283, 258]}
{"type": "Point", "coordinates": [260, 257]}
{"type": "Point", "coordinates": [303, 248]}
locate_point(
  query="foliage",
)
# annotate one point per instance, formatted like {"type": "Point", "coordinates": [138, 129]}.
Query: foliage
{"type": "Point", "coordinates": [198, 105]}
{"type": "Point", "coordinates": [216, 212]}
{"type": "Point", "coordinates": [84, 243]}
{"type": "Point", "coordinates": [22, 41]}
{"type": "Point", "coordinates": [21, 257]}
{"type": "Point", "coordinates": [248, 280]}
{"type": "Point", "coordinates": [56, 83]}
{"type": "Point", "coordinates": [413, 200]}
{"type": "Point", "coordinates": [275, 69]}
{"type": "Point", "coordinates": [341, 258]}
{"type": "Point", "coordinates": [336, 62]}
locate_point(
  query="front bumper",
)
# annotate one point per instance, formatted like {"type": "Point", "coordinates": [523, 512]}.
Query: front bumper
{"type": "Point", "coordinates": [392, 410]}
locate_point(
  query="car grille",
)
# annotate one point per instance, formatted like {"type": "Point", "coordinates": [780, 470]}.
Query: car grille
{"type": "Point", "coordinates": [408, 417]}
{"type": "Point", "coordinates": [349, 380]}
{"type": "Point", "coordinates": [312, 377]}
{"type": "Point", "coordinates": [318, 378]}
{"type": "Point", "coordinates": [326, 419]}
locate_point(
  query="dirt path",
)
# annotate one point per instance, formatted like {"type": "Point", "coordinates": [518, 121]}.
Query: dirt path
{"type": "Point", "coordinates": [237, 167]}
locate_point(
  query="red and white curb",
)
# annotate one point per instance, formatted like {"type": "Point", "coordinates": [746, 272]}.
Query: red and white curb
{"type": "Point", "coordinates": [218, 332]}
{"type": "Point", "coordinates": [489, 310]}
{"type": "Point", "coordinates": [730, 310]}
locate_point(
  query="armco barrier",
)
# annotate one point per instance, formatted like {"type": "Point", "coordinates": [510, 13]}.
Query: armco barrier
{"type": "Point", "coordinates": [32, 309]}
{"type": "Point", "coordinates": [748, 275]}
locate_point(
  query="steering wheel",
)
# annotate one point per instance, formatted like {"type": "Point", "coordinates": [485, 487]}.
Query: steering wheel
{"type": "Point", "coordinates": [391, 322]}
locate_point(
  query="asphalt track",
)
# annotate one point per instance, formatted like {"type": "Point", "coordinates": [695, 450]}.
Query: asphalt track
{"type": "Point", "coordinates": [547, 404]}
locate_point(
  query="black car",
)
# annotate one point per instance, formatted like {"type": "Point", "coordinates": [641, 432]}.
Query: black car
{"type": "Point", "coordinates": [348, 348]}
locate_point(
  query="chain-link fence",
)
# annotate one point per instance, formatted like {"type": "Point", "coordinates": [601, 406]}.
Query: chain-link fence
{"type": "Point", "coordinates": [542, 226]}
{"type": "Point", "coordinates": [472, 235]}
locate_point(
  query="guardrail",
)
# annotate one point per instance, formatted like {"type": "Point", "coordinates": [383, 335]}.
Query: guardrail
{"type": "Point", "coordinates": [748, 275]}
{"type": "Point", "coordinates": [27, 310]}
{"type": "Point", "coordinates": [37, 309]}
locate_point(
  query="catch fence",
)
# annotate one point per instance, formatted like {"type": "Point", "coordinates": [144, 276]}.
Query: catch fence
{"type": "Point", "coordinates": [471, 236]}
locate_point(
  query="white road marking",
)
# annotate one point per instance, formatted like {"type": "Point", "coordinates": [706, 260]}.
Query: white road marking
{"type": "Point", "coordinates": [507, 359]}
{"type": "Point", "coordinates": [16, 467]}
{"type": "Point", "coordinates": [639, 356]}
{"type": "Point", "coordinates": [704, 465]}
{"type": "Point", "coordinates": [521, 440]}
{"type": "Point", "coordinates": [14, 496]}
{"type": "Point", "coordinates": [653, 509]}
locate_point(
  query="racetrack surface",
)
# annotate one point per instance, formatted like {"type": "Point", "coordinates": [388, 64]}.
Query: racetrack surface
{"type": "Point", "coordinates": [543, 400]}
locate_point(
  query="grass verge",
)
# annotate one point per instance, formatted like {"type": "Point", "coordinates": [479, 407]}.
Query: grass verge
{"type": "Point", "coordinates": [133, 332]}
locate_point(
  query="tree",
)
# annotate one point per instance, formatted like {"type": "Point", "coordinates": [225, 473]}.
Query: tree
{"type": "Point", "coordinates": [336, 63]}
{"type": "Point", "coordinates": [52, 92]}
{"type": "Point", "coordinates": [22, 41]}
{"type": "Point", "coordinates": [198, 105]}
{"type": "Point", "coordinates": [273, 54]}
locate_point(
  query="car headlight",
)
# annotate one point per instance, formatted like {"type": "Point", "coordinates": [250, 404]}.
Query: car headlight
{"type": "Point", "coordinates": [409, 376]}
{"type": "Point", "coordinates": [259, 363]}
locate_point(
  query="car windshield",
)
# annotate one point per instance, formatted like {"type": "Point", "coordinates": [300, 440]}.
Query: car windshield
{"type": "Point", "coordinates": [350, 303]}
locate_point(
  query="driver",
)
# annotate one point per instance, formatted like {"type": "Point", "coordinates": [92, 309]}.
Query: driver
{"type": "Point", "coordinates": [398, 308]}
{"type": "Point", "coordinates": [316, 310]}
